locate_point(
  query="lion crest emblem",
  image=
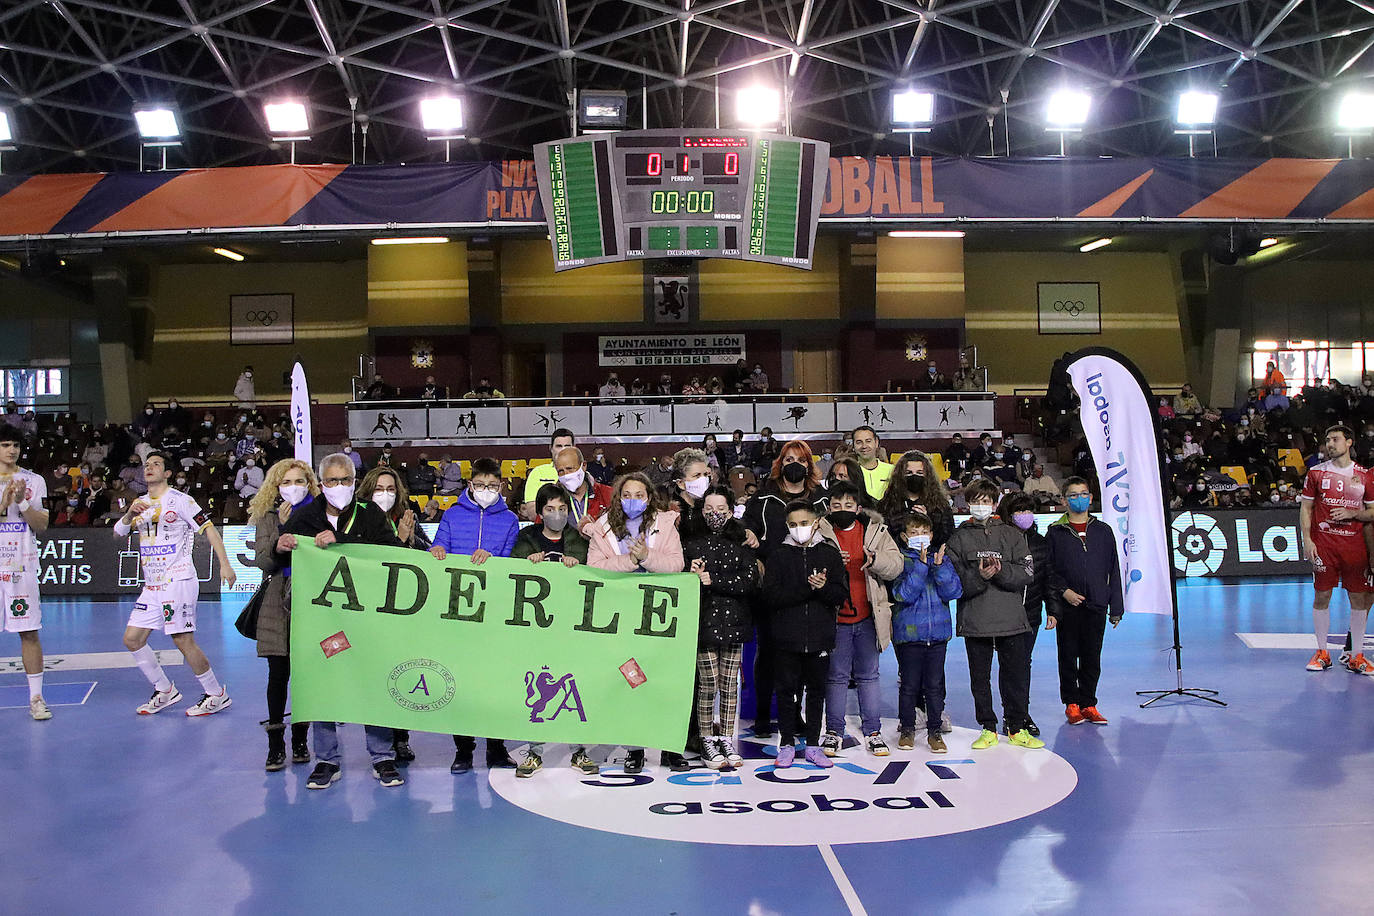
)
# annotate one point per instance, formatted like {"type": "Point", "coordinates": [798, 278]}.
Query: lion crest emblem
{"type": "Point", "coordinates": [542, 689]}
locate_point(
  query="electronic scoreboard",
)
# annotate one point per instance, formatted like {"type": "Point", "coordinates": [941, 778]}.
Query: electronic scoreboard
{"type": "Point", "coordinates": [682, 194]}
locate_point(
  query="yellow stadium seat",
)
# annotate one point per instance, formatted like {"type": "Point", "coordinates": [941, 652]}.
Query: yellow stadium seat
{"type": "Point", "coordinates": [513, 467]}
{"type": "Point", "coordinates": [937, 461]}
{"type": "Point", "coordinates": [446, 502]}
{"type": "Point", "coordinates": [465, 468]}
{"type": "Point", "coordinates": [435, 464]}
{"type": "Point", "coordinates": [1236, 473]}
{"type": "Point", "coordinates": [420, 500]}
{"type": "Point", "coordinates": [533, 463]}
{"type": "Point", "coordinates": [1291, 458]}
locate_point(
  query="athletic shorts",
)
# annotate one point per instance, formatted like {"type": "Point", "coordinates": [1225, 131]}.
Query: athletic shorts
{"type": "Point", "coordinates": [170, 608]}
{"type": "Point", "coordinates": [1345, 564]}
{"type": "Point", "coordinates": [19, 601]}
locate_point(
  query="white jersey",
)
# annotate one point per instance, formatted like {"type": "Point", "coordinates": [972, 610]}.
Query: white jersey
{"type": "Point", "coordinates": [166, 534]}
{"type": "Point", "coordinates": [18, 546]}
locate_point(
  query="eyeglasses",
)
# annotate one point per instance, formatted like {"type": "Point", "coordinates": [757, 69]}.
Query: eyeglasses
{"type": "Point", "coordinates": [486, 487]}
{"type": "Point", "coordinates": [337, 481]}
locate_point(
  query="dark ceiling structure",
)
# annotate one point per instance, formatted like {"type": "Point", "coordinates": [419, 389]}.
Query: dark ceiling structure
{"type": "Point", "coordinates": [72, 70]}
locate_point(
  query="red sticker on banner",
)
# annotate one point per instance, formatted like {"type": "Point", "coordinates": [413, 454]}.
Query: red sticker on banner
{"type": "Point", "coordinates": [634, 674]}
{"type": "Point", "coordinates": [333, 645]}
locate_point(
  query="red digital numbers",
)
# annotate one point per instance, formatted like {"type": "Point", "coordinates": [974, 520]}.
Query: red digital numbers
{"type": "Point", "coordinates": [732, 163]}
{"type": "Point", "coordinates": [655, 166]}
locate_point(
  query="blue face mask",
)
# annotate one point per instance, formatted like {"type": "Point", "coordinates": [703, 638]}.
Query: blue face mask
{"type": "Point", "coordinates": [1079, 502]}
{"type": "Point", "coordinates": [634, 508]}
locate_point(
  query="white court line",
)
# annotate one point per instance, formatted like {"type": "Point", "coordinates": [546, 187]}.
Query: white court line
{"type": "Point", "coordinates": [92, 661]}
{"type": "Point", "coordinates": [851, 898]}
{"type": "Point", "coordinates": [1295, 640]}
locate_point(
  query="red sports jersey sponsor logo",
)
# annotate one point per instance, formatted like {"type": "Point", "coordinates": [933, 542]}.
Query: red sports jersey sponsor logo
{"type": "Point", "coordinates": [169, 516]}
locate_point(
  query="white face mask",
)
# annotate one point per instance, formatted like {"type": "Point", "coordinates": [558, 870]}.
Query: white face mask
{"type": "Point", "coordinates": [918, 542]}
{"type": "Point", "coordinates": [982, 513]}
{"type": "Point", "coordinates": [339, 496]}
{"type": "Point", "coordinates": [292, 493]}
{"type": "Point", "coordinates": [384, 500]}
{"type": "Point", "coordinates": [697, 488]}
{"type": "Point", "coordinates": [485, 498]}
{"type": "Point", "coordinates": [573, 482]}
{"type": "Point", "coordinates": [249, 463]}
{"type": "Point", "coordinates": [801, 534]}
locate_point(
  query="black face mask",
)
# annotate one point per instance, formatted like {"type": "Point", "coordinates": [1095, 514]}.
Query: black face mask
{"type": "Point", "coordinates": [794, 473]}
{"type": "Point", "coordinates": [915, 483]}
{"type": "Point", "coordinates": [842, 518]}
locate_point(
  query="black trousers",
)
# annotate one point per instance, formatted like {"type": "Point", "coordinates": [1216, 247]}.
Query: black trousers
{"type": "Point", "coordinates": [496, 747]}
{"type": "Point", "coordinates": [278, 682]}
{"type": "Point", "coordinates": [1079, 636]}
{"type": "Point", "coordinates": [763, 668]}
{"type": "Point", "coordinates": [794, 672]}
{"type": "Point", "coordinates": [1013, 678]}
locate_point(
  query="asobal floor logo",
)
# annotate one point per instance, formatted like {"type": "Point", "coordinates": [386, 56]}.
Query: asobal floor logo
{"type": "Point", "coordinates": [1199, 544]}
{"type": "Point", "coordinates": [862, 799]}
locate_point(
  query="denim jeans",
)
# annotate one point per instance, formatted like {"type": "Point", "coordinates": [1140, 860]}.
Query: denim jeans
{"type": "Point", "coordinates": [327, 742]}
{"type": "Point", "coordinates": [921, 683]}
{"type": "Point", "coordinates": [856, 656]}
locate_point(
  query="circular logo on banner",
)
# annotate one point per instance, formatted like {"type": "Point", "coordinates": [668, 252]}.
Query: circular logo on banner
{"type": "Point", "coordinates": [862, 799]}
{"type": "Point", "coordinates": [421, 684]}
{"type": "Point", "coordinates": [1199, 545]}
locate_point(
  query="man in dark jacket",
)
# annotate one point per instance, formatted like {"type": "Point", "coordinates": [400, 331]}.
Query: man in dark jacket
{"type": "Point", "coordinates": [337, 517]}
{"type": "Point", "coordinates": [1018, 509]}
{"type": "Point", "coordinates": [995, 567]}
{"type": "Point", "coordinates": [1084, 591]}
{"type": "Point", "coordinates": [421, 477]}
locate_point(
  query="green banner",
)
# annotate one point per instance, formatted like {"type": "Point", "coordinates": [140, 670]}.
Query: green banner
{"type": "Point", "coordinates": [509, 649]}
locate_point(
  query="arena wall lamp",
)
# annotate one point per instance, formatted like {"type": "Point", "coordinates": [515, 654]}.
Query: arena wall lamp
{"type": "Point", "coordinates": [1354, 118]}
{"type": "Point", "coordinates": [1066, 113]}
{"type": "Point", "coordinates": [158, 128]}
{"type": "Point", "coordinates": [288, 121]}
{"type": "Point", "coordinates": [6, 134]}
{"type": "Point", "coordinates": [1196, 116]}
{"type": "Point", "coordinates": [913, 111]}
{"type": "Point", "coordinates": [442, 118]}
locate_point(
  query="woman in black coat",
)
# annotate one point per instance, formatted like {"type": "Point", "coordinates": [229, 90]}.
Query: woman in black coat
{"type": "Point", "coordinates": [729, 571]}
{"type": "Point", "coordinates": [915, 485]}
{"type": "Point", "coordinates": [1018, 509]}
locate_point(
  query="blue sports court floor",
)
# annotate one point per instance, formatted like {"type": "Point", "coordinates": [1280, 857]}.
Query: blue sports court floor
{"type": "Point", "coordinates": [1259, 807]}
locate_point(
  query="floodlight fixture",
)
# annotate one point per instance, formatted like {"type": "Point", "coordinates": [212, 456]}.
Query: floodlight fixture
{"type": "Point", "coordinates": [1068, 110]}
{"type": "Point", "coordinates": [442, 116]}
{"type": "Point", "coordinates": [1094, 245]}
{"type": "Point", "coordinates": [287, 119]}
{"type": "Point", "coordinates": [601, 110]}
{"type": "Point", "coordinates": [1197, 110]}
{"type": "Point", "coordinates": [1355, 113]}
{"type": "Point", "coordinates": [6, 126]}
{"type": "Point", "coordinates": [912, 110]}
{"type": "Point", "coordinates": [758, 107]}
{"type": "Point", "coordinates": [157, 122]}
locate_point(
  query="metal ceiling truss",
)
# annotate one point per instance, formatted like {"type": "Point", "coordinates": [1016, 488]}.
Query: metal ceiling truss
{"type": "Point", "coordinates": [72, 70]}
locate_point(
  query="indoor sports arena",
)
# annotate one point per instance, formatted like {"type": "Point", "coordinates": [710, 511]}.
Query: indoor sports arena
{"type": "Point", "coordinates": [779, 457]}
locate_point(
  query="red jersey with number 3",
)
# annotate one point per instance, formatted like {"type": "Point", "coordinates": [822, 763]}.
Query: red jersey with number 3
{"type": "Point", "coordinates": [1328, 486]}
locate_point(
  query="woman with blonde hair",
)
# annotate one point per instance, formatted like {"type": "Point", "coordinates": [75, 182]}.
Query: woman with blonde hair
{"type": "Point", "coordinates": [288, 484]}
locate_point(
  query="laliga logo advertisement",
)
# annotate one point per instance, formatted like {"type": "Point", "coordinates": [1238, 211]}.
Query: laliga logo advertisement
{"type": "Point", "coordinates": [1238, 543]}
{"type": "Point", "coordinates": [862, 799]}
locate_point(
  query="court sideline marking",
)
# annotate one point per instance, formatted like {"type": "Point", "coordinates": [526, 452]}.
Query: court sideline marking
{"type": "Point", "coordinates": [1295, 640]}
{"type": "Point", "coordinates": [92, 661]}
{"type": "Point", "coordinates": [851, 897]}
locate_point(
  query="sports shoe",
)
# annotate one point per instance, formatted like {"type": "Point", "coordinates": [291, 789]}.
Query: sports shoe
{"type": "Point", "coordinates": [583, 761]}
{"type": "Point", "coordinates": [732, 756]}
{"type": "Point", "coordinates": [498, 758]}
{"type": "Point", "coordinates": [1358, 664]}
{"type": "Point", "coordinates": [323, 776]}
{"type": "Point", "coordinates": [532, 764]}
{"type": "Point", "coordinates": [1032, 727]}
{"type": "Point", "coordinates": [816, 756]}
{"type": "Point", "coordinates": [763, 730]}
{"type": "Point", "coordinates": [1024, 738]}
{"type": "Point", "coordinates": [159, 701]}
{"type": "Point", "coordinates": [786, 754]}
{"type": "Point", "coordinates": [300, 751]}
{"type": "Point", "coordinates": [906, 739]}
{"type": "Point", "coordinates": [830, 744]}
{"type": "Point", "coordinates": [675, 762]}
{"type": "Point", "coordinates": [876, 745]}
{"type": "Point", "coordinates": [634, 761]}
{"type": "Point", "coordinates": [1096, 718]}
{"type": "Point", "coordinates": [715, 756]}
{"type": "Point", "coordinates": [209, 705]}
{"type": "Point", "coordinates": [987, 739]}
{"type": "Point", "coordinates": [1074, 713]}
{"type": "Point", "coordinates": [387, 774]}
{"type": "Point", "coordinates": [920, 721]}
{"type": "Point", "coordinates": [403, 751]}
{"type": "Point", "coordinates": [39, 711]}
{"type": "Point", "coordinates": [1320, 661]}
{"type": "Point", "coordinates": [946, 726]}
{"type": "Point", "coordinates": [1343, 658]}
{"type": "Point", "coordinates": [276, 759]}
{"type": "Point", "coordinates": [936, 744]}
{"type": "Point", "coordinates": [462, 762]}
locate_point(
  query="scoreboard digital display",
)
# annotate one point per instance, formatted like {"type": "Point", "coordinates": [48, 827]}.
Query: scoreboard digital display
{"type": "Point", "coordinates": [682, 194]}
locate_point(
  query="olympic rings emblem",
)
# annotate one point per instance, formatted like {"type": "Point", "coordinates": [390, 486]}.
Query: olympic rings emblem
{"type": "Point", "coordinates": [264, 317]}
{"type": "Point", "coordinates": [1072, 307]}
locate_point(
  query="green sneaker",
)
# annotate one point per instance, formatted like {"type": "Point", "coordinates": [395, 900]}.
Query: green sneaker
{"type": "Point", "coordinates": [1024, 738]}
{"type": "Point", "coordinates": [581, 760]}
{"type": "Point", "coordinates": [532, 764]}
{"type": "Point", "coordinates": [985, 740]}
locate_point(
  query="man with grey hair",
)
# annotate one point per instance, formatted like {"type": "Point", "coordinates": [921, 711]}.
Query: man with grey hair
{"type": "Point", "coordinates": [336, 516]}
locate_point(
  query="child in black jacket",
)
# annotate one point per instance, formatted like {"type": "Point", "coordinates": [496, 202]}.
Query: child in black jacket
{"type": "Point", "coordinates": [804, 585]}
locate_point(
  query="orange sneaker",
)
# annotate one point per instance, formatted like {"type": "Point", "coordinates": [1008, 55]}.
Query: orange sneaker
{"type": "Point", "coordinates": [1360, 665]}
{"type": "Point", "coordinates": [1320, 661]}
{"type": "Point", "coordinates": [1074, 714]}
{"type": "Point", "coordinates": [1090, 714]}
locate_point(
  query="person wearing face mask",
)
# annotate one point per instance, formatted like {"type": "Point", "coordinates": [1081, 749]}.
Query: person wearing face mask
{"type": "Point", "coordinates": [542, 474]}
{"type": "Point", "coordinates": [587, 499]}
{"type": "Point", "coordinates": [729, 571]}
{"type": "Point", "coordinates": [1019, 509]}
{"type": "Point", "coordinates": [245, 391]}
{"type": "Point", "coordinates": [765, 452]}
{"type": "Point", "coordinates": [921, 631]}
{"type": "Point", "coordinates": [864, 625]}
{"type": "Point", "coordinates": [1191, 446]}
{"type": "Point", "coordinates": [287, 484]}
{"type": "Point", "coordinates": [337, 516]}
{"type": "Point", "coordinates": [915, 485]}
{"type": "Point", "coordinates": [482, 526]}
{"type": "Point", "coordinates": [804, 586]}
{"type": "Point", "coordinates": [634, 536]}
{"type": "Point", "coordinates": [600, 468]}
{"type": "Point", "coordinates": [249, 479]}
{"type": "Point", "coordinates": [1199, 495]}
{"type": "Point", "coordinates": [146, 424]}
{"type": "Point", "coordinates": [613, 391]}
{"type": "Point", "coordinates": [1083, 593]}
{"type": "Point", "coordinates": [691, 480]}
{"type": "Point", "coordinates": [734, 453]}
{"type": "Point", "coordinates": [553, 540]}
{"type": "Point", "coordinates": [995, 568]}
{"type": "Point", "coordinates": [758, 380]}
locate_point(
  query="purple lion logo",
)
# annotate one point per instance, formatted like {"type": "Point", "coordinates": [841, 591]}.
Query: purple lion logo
{"type": "Point", "coordinates": [542, 689]}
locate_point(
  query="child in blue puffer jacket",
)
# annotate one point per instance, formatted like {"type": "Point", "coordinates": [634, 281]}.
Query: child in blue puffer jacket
{"type": "Point", "coordinates": [921, 630]}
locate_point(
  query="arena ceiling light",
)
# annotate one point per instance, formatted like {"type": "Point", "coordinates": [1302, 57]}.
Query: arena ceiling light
{"type": "Point", "coordinates": [1269, 242]}
{"type": "Point", "coordinates": [758, 107]}
{"type": "Point", "coordinates": [1067, 110]}
{"type": "Point", "coordinates": [229, 253]}
{"type": "Point", "coordinates": [413, 240]}
{"type": "Point", "coordinates": [1197, 110]}
{"type": "Point", "coordinates": [6, 126]}
{"type": "Point", "coordinates": [1094, 245]}
{"type": "Point", "coordinates": [912, 110]}
{"type": "Point", "coordinates": [926, 234]}
{"type": "Point", "coordinates": [157, 122]}
{"type": "Point", "coordinates": [287, 119]}
{"type": "Point", "coordinates": [1355, 113]}
{"type": "Point", "coordinates": [442, 117]}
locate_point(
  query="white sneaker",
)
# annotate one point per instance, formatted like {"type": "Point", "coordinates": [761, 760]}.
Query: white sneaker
{"type": "Point", "coordinates": [946, 726]}
{"type": "Point", "coordinates": [732, 756]}
{"type": "Point", "coordinates": [209, 704]}
{"type": "Point", "coordinates": [38, 709]}
{"type": "Point", "coordinates": [159, 701]}
{"type": "Point", "coordinates": [714, 756]}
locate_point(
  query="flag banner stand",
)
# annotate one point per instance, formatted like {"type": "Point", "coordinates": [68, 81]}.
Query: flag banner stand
{"type": "Point", "coordinates": [303, 438]}
{"type": "Point", "coordinates": [1124, 436]}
